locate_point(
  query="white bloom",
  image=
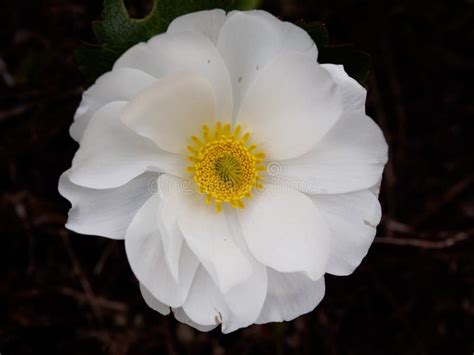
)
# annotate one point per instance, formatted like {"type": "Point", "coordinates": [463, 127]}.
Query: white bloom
{"type": "Point", "coordinates": [252, 244]}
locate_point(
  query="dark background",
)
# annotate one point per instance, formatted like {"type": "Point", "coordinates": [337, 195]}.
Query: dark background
{"type": "Point", "coordinates": [62, 293]}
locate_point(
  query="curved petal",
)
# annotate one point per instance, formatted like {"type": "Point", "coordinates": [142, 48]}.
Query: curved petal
{"type": "Point", "coordinates": [207, 306]}
{"type": "Point", "coordinates": [182, 317]}
{"type": "Point", "coordinates": [173, 53]}
{"type": "Point", "coordinates": [105, 212]}
{"type": "Point", "coordinates": [290, 106]}
{"type": "Point", "coordinates": [285, 231]}
{"type": "Point", "coordinates": [117, 85]}
{"type": "Point", "coordinates": [111, 154]}
{"type": "Point", "coordinates": [168, 213]}
{"type": "Point", "coordinates": [350, 157]}
{"type": "Point", "coordinates": [253, 290]}
{"type": "Point", "coordinates": [289, 296]}
{"type": "Point", "coordinates": [241, 305]}
{"type": "Point", "coordinates": [146, 257]}
{"type": "Point", "coordinates": [153, 303]}
{"type": "Point", "coordinates": [352, 93]}
{"type": "Point", "coordinates": [352, 219]}
{"type": "Point", "coordinates": [208, 23]}
{"type": "Point", "coordinates": [248, 41]}
{"type": "Point", "coordinates": [171, 110]}
{"type": "Point", "coordinates": [207, 234]}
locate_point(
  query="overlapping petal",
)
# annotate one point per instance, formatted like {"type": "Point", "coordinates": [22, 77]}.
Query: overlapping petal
{"type": "Point", "coordinates": [207, 234]}
{"type": "Point", "coordinates": [152, 302]}
{"type": "Point", "coordinates": [285, 231]}
{"type": "Point", "coordinates": [171, 110]}
{"type": "Point", "coordinates": [106, 212]}
{"type": "Point", "coordinates": [353, 94]}
{"type": "Point", "coordinates": [289, 296]}
{"type": "Point", "coordinates": [352, 219]}
{"type": "Point", "coordinates": [190, 52]}
{"type": "Point", "coordinates": [208, 23]}
{"type": "Point", "coordinates": [207, 306]}
{"type": "Point", "coordinates": [350, 157]}
{"type": "Point", "coordinates": [286, 110]}
{"type": "Point", "coordinates": [144, 248]}
{"type": "Point", "coordinates": [249, 41]}
{"type": "Point", "coordinates": [108, 88]}
{"type": "Point", "coordinates": [111, 154]}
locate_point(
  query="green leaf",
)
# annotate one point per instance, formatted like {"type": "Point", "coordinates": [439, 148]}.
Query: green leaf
{"type": "Point", "coordinates": [356, 62]}
{"type": "Point", "coordinates": [117, 32]}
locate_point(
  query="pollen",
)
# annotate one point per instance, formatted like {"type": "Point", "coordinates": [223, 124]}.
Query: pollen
{"type": "Point", "coordinates": [225, 165]}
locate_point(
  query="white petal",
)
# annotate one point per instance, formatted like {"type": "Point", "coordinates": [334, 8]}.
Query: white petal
{"type": "Point", "coordinates": [171, 110]}
{"type": "Point", "coordinates": [353, 94]}
{"type": "Point", "coordinates": [350, 157]}
{"type": "Point", "coordinates": [207, 306]}
{"type": "Point", "coordinates": [145, 254]}
{"type": "Point", "coordinates": [208, 236]}
{"type": "Point", "coordinates": [245, 300]}
{"type": "Point", "coordinates": [168, 214]}
{"type": "Point", "coordinates": [289, 296]}
{"type": "Point", "coordinates": [181, 316]}
{"type": "Point", "coordinates": [173, 53]}
{"type": "Point", "coordinates": [352, 219]}
{"type": "Point", "coordinates": [105, 212]}
{"type": "Point", "coordinates": [248, 41]}
{"type": "Point", "coordinates": [153, 303]}
{"type": "Point", "coordinates": [207, 22]}
{"type": "Point", "coordinates": [290, 106]}
{"type": "Point", "coordinates": [111, 154]}
{"type": "Point", "coordinates": [284, 230]}
{"type": "Point", "coordinates": [118, 85]}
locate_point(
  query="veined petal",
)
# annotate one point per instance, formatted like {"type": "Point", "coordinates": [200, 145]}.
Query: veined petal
{"type": "Point", "coordinates": [285, 231]}
{"type": "Point", "coordinates": [289, 296]}
{"type": "Point", "coordinates": [111, 154]}
{"type": "Point", "coordinates": [248, 41]}
{"type": "Point", "coordinates": [171, 110]}
{"type": "Point", "coordinates": [291, 105]}
{"type": "Point", "coordinates": [350, 157]}
{"type": "Point", "coordinates": [177, 52]}
{"type": "Point", "coordinates": [208, 23]}
{"type": "Point", "coordinates": [145, 254]}
{"type": "Point", "coordinates": [105, 212]}
{"type": "Point", "coordinates": [120, 84]}
{"type": "Point", "coordinates": [352, 219]}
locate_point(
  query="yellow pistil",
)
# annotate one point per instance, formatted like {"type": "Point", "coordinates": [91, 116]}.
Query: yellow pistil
{"type": "Point", "coordinates": [225, 166]}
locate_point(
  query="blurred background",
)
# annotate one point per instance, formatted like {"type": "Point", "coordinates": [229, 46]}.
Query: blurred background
{"type": "Point", "coordinates": [62, 293]}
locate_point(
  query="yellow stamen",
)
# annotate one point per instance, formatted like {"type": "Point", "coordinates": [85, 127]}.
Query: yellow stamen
{"type": "Point", "coordinates": [224, 167]}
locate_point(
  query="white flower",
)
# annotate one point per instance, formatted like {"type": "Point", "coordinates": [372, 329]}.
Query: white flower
{"type": "Point", "coordinates": [284, 159]}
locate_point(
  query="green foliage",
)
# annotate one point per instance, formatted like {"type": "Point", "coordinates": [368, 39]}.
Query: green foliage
{"type": "Point", "coordinates": [117, 32]}
{"type": "Point", "coordinates": [356, 62]}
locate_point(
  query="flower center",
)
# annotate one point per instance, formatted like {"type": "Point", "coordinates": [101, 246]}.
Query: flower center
{"type": "Point", "coordinates": [225, 166]}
